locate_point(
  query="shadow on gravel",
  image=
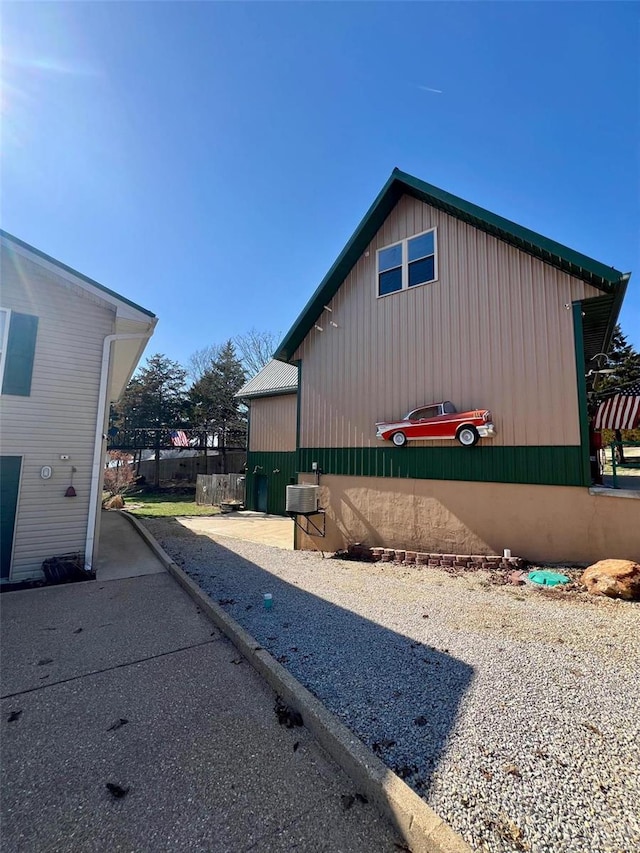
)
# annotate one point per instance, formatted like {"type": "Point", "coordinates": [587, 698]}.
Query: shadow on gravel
{"type": "Point", "coordinates": [399, 696]}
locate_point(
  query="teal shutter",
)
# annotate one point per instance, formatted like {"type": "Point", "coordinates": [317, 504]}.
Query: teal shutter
{"type": "Point", "coordinates": [9, 484]}
{"type": "Point", "coordinates": [21, 348]}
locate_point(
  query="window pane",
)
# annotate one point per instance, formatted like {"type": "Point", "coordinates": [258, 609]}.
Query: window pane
{"type": "Point", "coordinates": [390, 258]}
{"type": "Point", "coordinates": [428, 412]}
{"type": "Point", "coordinates": [3, 320]}
{"type": "Point", "coordinates": [421, 271]}
{"type": "Point", "coordinates": [421, 246]}
{"type": "Point", "coordinates": [389, 282]}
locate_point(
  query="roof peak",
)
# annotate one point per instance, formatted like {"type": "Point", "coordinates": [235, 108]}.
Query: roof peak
{"type": "Point", "coordinates": [607, 279]}
{"type": "Point", "coordinates": [84, 279]}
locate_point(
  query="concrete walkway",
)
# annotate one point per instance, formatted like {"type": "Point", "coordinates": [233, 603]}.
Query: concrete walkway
{"type": "Point", "coordinates": [126, 682]}
{"type": "Point", "coordinates": [122, 552]}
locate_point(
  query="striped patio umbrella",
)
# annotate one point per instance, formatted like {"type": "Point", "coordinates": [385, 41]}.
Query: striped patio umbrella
{"type": "Point", "coordinates": [621, 411]}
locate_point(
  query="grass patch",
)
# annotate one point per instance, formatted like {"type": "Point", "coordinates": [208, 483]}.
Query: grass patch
{"type": "Point", "coordinates": [166, 506]}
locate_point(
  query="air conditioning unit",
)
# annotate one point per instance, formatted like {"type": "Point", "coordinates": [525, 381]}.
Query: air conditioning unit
{"type": "Point", "coordinates": [303, 499]}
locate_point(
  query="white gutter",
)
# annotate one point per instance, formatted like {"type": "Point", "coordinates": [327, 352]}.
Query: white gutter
{"type": "Point", "coordinates": [96, 469]}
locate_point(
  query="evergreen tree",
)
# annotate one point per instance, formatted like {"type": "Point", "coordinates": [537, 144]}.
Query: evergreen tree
{"type": "Point", "coordinates": [160, 393]}
{"type": "Point", "coordinates": [214, 406]}
{"type": "Point", "coordinates": [624, 360]}
{"type": "Point", "coordinates": [155, 399]}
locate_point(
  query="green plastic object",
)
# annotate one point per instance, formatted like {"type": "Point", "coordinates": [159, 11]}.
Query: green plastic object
{"type": "Point", "coordinates": [547, 578]}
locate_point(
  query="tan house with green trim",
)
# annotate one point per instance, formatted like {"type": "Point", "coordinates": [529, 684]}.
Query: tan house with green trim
{"type": "Point", "coordinates": [434, 299]}
{"type": "Point", "coordinates": [68, 349]}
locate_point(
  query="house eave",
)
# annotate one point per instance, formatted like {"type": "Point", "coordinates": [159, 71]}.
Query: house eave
{"type": "Point", "coordinates": [126, 354]}
{"type": "Point", "coordinates": [277, 392]}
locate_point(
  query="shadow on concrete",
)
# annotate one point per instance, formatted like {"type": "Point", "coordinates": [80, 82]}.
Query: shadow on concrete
{"type": "Point", "coordinates": [127, 683]}
{"type": "Point", "coordinates": [401, 697]}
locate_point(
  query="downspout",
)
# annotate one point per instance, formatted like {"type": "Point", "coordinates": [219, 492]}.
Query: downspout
{"type": "Point", "coordinates": [583, 418]}
{"type": "Point", "coordinates": [96, 469]}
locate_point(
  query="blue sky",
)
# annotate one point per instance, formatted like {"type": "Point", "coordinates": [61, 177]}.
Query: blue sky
{"type": "Point", "coordinates": [210, 160]}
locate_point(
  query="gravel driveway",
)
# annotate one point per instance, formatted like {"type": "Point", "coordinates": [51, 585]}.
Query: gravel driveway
{"type": "Point", "coordinates": [515, 713]}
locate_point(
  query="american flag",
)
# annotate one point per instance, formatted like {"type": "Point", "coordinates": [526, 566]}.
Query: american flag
{"type": "Point", "coordinates": [621, 411]}
{"type": "Point", "coordinates": [179, 438]}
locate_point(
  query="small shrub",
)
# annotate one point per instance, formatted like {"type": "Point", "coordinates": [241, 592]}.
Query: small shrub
{"type": "Point", "coordinates": [119, 476]}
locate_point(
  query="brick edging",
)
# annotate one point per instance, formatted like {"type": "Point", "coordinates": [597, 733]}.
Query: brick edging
{"type": "Point", "coordinates": [422, 829]}
{"type": "Point", "coordinates": [434, 561]}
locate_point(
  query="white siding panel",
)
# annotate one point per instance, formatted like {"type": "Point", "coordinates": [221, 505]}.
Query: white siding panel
{"type": "Point", "coordinates": [492, 332]}
{"type": "Point", "coordinates": [59, 418]}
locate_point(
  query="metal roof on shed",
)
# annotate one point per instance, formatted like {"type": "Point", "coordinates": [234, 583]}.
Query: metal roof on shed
{"type": "Point", "coordinates": [275, 378]}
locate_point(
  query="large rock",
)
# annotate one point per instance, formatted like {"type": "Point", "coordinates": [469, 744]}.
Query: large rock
{"type": "Point", "coordinates": [615, 578]}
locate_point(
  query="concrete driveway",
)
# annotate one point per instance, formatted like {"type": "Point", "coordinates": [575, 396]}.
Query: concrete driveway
{"type": "Point", "coordinates": [125, 682]}
{"type": "Point", "coordinates": [252, 527]}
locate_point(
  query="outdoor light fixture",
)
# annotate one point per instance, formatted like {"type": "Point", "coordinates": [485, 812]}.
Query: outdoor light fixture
{"type": "Point", "coordinates": [593, 372]}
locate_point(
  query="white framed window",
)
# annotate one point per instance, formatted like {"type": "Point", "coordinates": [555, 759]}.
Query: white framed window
{"type": "Point", "coordinates": [408, 263]}
{"type": "Point", "coordinates": [5, 317]}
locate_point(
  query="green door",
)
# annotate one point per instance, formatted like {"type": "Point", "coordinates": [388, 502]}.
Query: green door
{"type": "Point", "coordinates": [9, 482]}
{"type": "Point", "coordinates": [262, 487]}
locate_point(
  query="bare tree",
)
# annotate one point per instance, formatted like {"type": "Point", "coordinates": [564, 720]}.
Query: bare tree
{"type": "Point", "coordinates": [119, 476]}
{"type": "Point", "coordinates": [256, 349]}
{"type": "Point", "coordinates": [201, 360]}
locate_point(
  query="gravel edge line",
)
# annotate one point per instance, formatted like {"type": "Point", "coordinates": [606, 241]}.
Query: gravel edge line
{"type": "Point", "coordinates": [422, 829]}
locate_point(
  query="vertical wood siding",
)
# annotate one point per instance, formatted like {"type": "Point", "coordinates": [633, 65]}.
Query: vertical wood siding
{"type": "Point", "coordinates": [59, 416]}
{"type": "Point", "coordinates": [273, 423]}
{"type": "Point", "coordinates": [492, 332]}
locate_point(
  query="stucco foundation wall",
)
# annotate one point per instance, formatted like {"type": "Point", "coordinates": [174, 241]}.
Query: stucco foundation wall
{"type": "Point", "coordinates": [543, 523]}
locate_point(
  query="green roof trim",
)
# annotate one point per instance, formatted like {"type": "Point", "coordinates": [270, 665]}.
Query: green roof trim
{"type": "Point", "coordinates": [598, 275]}
{"type": "Point", "coordinates": [77, 274]}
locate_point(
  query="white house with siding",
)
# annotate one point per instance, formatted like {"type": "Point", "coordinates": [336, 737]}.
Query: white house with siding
{"type": "Point", "coordinates": [68, 349]}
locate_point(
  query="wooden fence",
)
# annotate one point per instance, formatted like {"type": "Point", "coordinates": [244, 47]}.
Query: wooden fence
{"type": "Point", "coordinates": [185, 469]}
{"type": "Point", "coordinates": [215, 489]}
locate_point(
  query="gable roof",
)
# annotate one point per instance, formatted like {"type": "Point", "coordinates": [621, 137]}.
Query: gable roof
{"type": "Point", "coordinates": [82, 280]}
{"type": "Point", "coordinates": [606, 279]}
{"type": "Point", "coordinates": [275, 378]}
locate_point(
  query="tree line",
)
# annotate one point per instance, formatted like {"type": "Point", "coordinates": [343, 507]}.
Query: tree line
{"type": "Point", "coordinates": [201, 395]}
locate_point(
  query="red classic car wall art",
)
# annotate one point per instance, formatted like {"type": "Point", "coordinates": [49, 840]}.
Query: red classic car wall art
{"type": "Point", "coordinates": [439, 421]}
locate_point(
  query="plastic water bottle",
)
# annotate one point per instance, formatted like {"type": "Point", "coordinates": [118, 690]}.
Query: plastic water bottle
{"type": "Point", "coordinates": [268, 601]}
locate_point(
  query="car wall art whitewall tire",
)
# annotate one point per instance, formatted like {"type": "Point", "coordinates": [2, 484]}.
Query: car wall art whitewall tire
{"type": "Point", "coordinates": [468, 436]}
{"type": "Point", "coordinates": [399, 439]}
